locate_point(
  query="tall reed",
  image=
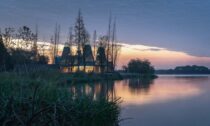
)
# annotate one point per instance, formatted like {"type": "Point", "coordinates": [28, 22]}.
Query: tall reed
{"type": "Point", "coordinates": [43, 99]}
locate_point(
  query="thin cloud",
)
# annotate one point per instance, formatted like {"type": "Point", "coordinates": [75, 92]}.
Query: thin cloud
{"type": "Point", "coordinates": [142, 47]}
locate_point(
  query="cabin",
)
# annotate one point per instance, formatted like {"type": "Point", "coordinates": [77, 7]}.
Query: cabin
{"type": "Point", "coordinates": [84, 61]}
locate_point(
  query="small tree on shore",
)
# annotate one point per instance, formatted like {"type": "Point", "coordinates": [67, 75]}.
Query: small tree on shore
{"type": "Point", "coordinates": [140, 66]}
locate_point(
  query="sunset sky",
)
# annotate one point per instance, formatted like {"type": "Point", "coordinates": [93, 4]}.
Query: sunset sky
{"type": "Point", "coordinates": [161, 58]}
{"type": "Point", "coordinates": [167, 32]}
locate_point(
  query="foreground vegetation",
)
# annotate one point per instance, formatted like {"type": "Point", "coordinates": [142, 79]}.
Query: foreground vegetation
{"type": "Point", "coordinates": [43, 99]}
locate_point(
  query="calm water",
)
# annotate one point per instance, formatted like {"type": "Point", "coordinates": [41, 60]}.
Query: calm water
{"type": "Point", "coordinates": [166, 101]}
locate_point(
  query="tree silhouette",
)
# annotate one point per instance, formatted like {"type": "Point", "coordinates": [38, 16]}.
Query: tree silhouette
{"type": "Point", "coordinates": [81, 38]}
{"type": "Point", "coordinates": [139, 66]}
{"type": "Point", "coordinates": [5, 59]}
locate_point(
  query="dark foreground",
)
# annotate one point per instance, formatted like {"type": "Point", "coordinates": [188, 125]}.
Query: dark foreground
{"type": "Point", "coordinates": [43, 99]}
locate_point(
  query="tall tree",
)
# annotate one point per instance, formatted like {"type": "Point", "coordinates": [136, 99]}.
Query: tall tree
{"type": "Point", "coordinates": [81, 38]}
{"type": "Point", "coordinates": [116, 47]}
{"type": "Point", "coordinates": [34, 49]}
{"type": "Point", "coordinates": [108, 50]}
{"type": "Point", "coordinates": [70, 40]}
{"type": "Point", "coordinates": [55, 41]}
{"type": "Point", "coordinates": [94, 43]}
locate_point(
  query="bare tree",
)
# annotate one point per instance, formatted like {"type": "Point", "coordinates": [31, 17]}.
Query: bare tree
{"type": "Point", "coordinates": [116, 53]}
{"type": "Point", "coordinates": [94, 43]}
{"type": "Point", "coordinates": [108, 50]}
{"type": "Point", "coordinates": [8, 36]}
{"type": "Point", "coordinates": [51, 50]}
{"type": "Point", "coordinates": [55, 42]}
{"type": "Point", "coordinates": [34, 49]}
{"type": "Point", "coordinates": [116, 47]}
{"type": "Point", "coordinates": [26, 37]}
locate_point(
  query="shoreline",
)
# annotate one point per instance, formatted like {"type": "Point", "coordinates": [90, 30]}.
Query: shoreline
{"type": "Point", "coordinates": [82, 77]}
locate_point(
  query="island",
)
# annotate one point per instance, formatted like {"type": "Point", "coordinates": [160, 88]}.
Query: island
{"type": "Point", "coordinates": [194, 69]}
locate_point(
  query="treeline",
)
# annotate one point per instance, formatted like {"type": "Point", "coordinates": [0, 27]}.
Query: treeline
{"type": "Point", "coordinates": [185, 70]}
{"type": "Point", "coordinates": [19, 48]}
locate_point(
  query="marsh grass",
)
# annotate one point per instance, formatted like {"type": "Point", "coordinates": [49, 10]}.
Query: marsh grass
{"type": "Point", "coordinates": [43, 99]}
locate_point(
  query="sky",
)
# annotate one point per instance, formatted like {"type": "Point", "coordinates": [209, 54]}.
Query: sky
{"type": "Point", "coordinates": [180, 29]}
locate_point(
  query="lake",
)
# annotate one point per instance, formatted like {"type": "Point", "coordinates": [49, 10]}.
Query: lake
{"type": "Point", "coordinates": [169, 100]}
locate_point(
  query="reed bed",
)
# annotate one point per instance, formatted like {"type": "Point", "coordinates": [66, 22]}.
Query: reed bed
{"type": "Point", "coordinates": [43, 99]}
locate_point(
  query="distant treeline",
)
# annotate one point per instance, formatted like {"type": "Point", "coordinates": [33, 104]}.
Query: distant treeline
{"type": "Point", "coordinates": [185, 70]}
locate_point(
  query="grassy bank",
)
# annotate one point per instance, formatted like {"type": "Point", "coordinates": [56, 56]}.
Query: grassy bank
{"type": "Point", "coordinates": [43, 99]}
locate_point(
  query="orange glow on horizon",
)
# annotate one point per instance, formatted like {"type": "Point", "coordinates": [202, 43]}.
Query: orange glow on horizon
{"type": "Point", "coordinates": [159, 57]}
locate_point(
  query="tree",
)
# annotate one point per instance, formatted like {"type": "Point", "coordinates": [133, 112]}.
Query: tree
{"type": "Point", "coordinates": [55, 40]}
{"type": "Point", "coordinates": [81, 38]}
{"type": "Point", "coordinates": [5, 59]}
{"type": "Point", "coordinates": [8, 37]}
{"type": "Point", "coordinates": [139, 66]}
{"type": "Point", "coordinates": [115, 54]}
{"type": "Point", "coordinates": [26, 37]}
{"type": "Point", "coordinates": [34, 48]}
{"type": "Point", "coordinates": [116, 47]}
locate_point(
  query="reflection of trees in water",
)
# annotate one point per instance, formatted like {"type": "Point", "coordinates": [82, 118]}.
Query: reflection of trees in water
{"type": "Point", "coordinates": [98, 90]}
{"type": "Point", "coordinates": [139, 84]}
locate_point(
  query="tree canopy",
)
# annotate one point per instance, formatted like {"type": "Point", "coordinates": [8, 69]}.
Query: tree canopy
{"type": "Point", "coordinates": [140, 66]}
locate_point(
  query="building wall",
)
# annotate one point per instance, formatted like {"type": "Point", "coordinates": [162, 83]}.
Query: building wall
{"type": "Point", "coordinates": [73, 69]}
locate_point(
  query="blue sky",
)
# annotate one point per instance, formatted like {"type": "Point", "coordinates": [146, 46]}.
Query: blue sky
{"type": "Point", "coordinates": [180, 25]}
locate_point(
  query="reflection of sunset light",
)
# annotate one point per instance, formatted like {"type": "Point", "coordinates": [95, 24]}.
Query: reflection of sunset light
{"type": "Point", "coordinates": [160, 91]}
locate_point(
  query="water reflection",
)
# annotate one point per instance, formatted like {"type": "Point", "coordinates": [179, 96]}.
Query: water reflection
{"type": "Point", "coordinates": [111, 90]}
{"type": "Point", "coordinates": [160, 90]}
{"type": "Point", "coordinates": [139, 85]}
{"type": "Point", "coordinates": [103, 89]}
{"type": "Point", "coordinates": [185, 99]}
{"type": "Point", "coordinates": [168, 101]}
{"type": "Point", "coordinates": [141, 91]}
